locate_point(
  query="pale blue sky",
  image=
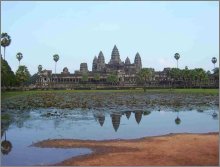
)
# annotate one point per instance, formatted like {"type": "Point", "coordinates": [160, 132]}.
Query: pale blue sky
{"type": "Point", "coordinates": [77, 31]}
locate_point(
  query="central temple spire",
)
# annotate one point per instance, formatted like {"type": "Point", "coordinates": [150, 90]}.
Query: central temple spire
{"type": "Point", "coordinates": [115, 57]}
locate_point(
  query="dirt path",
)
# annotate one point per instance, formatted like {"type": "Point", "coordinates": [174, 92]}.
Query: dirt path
{"type": "Point", "coordinates": [173, 149]}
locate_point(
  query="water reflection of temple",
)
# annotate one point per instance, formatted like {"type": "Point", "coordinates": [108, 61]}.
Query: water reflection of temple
{"type": "Point", "coordinates": [100, 118]}
{"type": "Point", "coordinates": [116, 118]}
{"type": "Point", "coordinates": [128, 114]}
{"type": "Point", "coordinates": [138, 116]}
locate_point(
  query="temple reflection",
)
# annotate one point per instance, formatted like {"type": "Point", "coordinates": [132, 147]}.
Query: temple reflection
{"type": "Point", "coordinates": [138, 116]}
{"type": "Point", "coordinates": [100, 117]}
{"type": "Point", "coordinates": [128, 114]}
{"type": "Point", "coordinates": [116, 118]}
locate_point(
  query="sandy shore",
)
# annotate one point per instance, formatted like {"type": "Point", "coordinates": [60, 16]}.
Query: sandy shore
{"type": "Point", "coordinates": [168, 150]}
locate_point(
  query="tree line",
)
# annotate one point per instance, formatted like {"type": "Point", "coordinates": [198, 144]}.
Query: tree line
{"type": "Point", "coordinates": [187, 78]}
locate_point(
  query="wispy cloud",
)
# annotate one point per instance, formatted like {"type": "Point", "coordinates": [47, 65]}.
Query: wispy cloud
{"type": "Point", "coordinates": [106, 27]}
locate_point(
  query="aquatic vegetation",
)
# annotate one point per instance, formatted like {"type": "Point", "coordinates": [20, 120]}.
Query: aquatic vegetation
{"type": "Point", "coordinates": [5, 117]}
{"type": "Point", "coordinates": [85, 100]}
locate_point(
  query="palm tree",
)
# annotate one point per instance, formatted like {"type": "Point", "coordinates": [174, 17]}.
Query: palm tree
{"type": "Point", "coordinates": [185, 76]}
{"type": "Point", "coordinates": [19, 56]}
{"type": "Point", "coordinates": [214, 60]}
{"type": "Point", "coordinates": [5, 41]}
{"type": "Point", "coordinates": [177, 56]}
{"type": "Point", "coordinates": [40, 68]}
{"type": "Point", "coordinates": [56, 58]}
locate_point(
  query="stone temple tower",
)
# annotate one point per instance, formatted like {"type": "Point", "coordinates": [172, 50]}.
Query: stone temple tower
{"type": "Point", "coordinates": [115, 57]}
{"type": "Point", "coordinates": [83, 68]}
{"type": "Point", "coordinates": [94, 64]}
{"type": "Point", "coordinates": [100, 62]}
{"type": "Point", "coordinates": [127, 61]}
{"type": "Point", "coordinates": [137, 62]}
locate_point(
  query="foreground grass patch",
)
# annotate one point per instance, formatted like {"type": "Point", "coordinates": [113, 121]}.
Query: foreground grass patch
{"type": "Point", "coordinates": [5, 95]}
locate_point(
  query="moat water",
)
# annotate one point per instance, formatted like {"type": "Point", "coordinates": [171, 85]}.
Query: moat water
{"type": "Point", "coordinates": [42, 124]}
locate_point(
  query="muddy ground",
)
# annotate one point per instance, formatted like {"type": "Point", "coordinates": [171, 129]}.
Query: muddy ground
{"type": "Point", "coordinates": [168, 150]}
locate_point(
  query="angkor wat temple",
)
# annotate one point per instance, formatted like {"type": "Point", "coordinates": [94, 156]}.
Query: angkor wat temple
{"type": "Point", "coordinates": [125, 72]}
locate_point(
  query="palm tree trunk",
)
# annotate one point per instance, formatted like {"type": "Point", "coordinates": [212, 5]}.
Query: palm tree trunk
{"type": "Point", "coordinates": [4, 53]}
{"type": "Point", "coordinates": [55, 67]}
{"type": "Point", "coordinates": [19, 63]}
{"type": "Point", "coordinates": [177, 63]}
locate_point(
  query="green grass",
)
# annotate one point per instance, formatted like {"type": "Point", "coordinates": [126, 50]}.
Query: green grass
{"type": "Point", "coordinates": [11, 94]}
{"type": "Point", "coordinates": [184, 91]}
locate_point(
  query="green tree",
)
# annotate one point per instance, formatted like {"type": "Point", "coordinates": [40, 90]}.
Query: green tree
{"type": "Point", "coordinates": [85, 78]}
{"type": "Point", "coordinates": [56, 58]}
{"type": "Point", "coordinates": [200, 76]}
{"type": "Point", "coordinates": [208, 73]}
{"type": "Point", "coordinates": [96, 77]}
{"type": "Point", "coordinates": [22, 75]}
{"type": "Point", "coordinates": [7, 75]}
{"type": "Point", "coordinates": [216, 74]}
{"type": "Point", "coordinates": [19, 56]}
{"type": "Point", "coordinates": [177, 56]}
{"type": "Point", "coordinates": [112, 79]}
{"type": "Point", "coordinates": [175, 74]}
{"type": "Point", "coordinates": [185, 76]}
{"type": "Point", "coordinates": [192, 77]}
{"type": "Point", "coordinates": [216, 71]}
{"type": "Point", "coordinates": [145, 76]}
{"type": "Point", "coordinates": [5, 41]}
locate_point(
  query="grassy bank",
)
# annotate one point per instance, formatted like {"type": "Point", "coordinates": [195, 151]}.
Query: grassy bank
{"type": "Point", "coordinates": [10, 94]}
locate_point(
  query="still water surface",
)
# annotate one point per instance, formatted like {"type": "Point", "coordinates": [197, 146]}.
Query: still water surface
{"type": "Point", "coordinates": [42, 124]}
